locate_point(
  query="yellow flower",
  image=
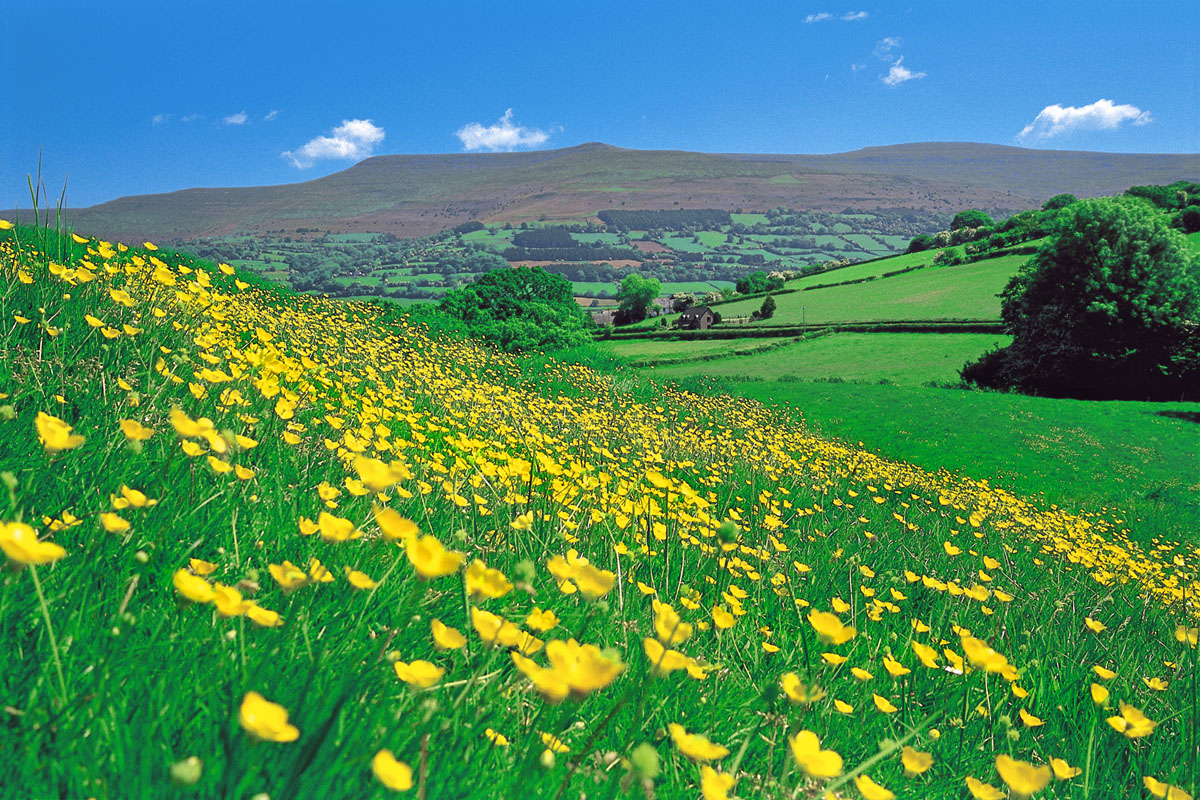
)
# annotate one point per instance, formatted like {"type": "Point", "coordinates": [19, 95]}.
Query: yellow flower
{"type": "Point", "coordinates": [113, 523]}
{"type": "Point", "coordinates": [135, 431]}
{"type": "Point", "coordinates": [694, 745]}
{"type": "Point", "coordinates": [983, 791]}
{"type": "Point", "coordinates": [5, 225]}
{"type": "Point", "coordinates": [1186, 635]}
{"type": "Point", "coordinates": [1164, 790]}
{"type": "Point", "coordinates": [445, 637]}
{"type": "Point", "coordinates": [360, 580]}
{"type": "Point", "coordinates": [594, 583]}
{"type": "Point", "coordinates": [431, 559]}
{"type": "Point", "coordinates": [914, 761]}
{"type": "Point", "coordinates": [394, 526]}
{"type": "Point", "coordinates": [1155, 684]}
{"type": "Point", "coordinates": [336, 529]}
{"type": "Point", "coordinates": [288, 575]}
{"type": "Point", "coordinates": [482, 581]}
{"type": "Point", "coordinates": [551, 686]}
{"type": "Point", "coordinates": [193, 587]}
{"type": "Point", "coordinates": [883, 704]}
{"type": "Point", "coordinates": [894, 667]}
{"type": "Point", "coordinates": [797, 692]}
{"type": "Point", "coordinates": [583, 667]}
{"type": "Point", "coordinates": [419, 673]}
{"type": "Point", "coordinates": [266, 720]}
{"type": "Point", "coordinates": [1103, 674]}
{"type": "Point", "coordinates": [1023, 778]}
{"type": "Point", "coordinates": [927, 655]}
{"type": "Point", "coordinates": [1062, 770]}
{"type": "Point", "coordinates": [393, 774]}
{"type": "Point", "coordinates": [201, 567]}
{"type": "Point", "coordinates": [833, 659]}
{"type": "Point", "coordinates": [1030, 720]}
{"type": "Point", "coordinates": [816, 763]}
{"type": "Point", "coordinates": [497, 739]}
{"type": "Point", "coordinates": [870, 790]}
{"type": "Point", "coordinates": [662, 660]}
{"type": "Point", "coordinates": [540, 620]}
{"type": "Point", "coordinates": [668, 625]}
{"type": "Point", "coordinates": [829, 628]}
{"type": "Point", "coordinates": [229, 602]}
{"type": "Point", "coordinates": [1094, 626]}
{"type": "Point", "coordinates": [715, 785]}
{"type": "Point", "coordinates": [1132, 722]}
{"type": "Point", "coordinates": [55, 434]}
{"type": "Point", "coordinates": [378, 476]}
{"type": "Point", "coordinates": [523, 522]}
{"type": "Point", "coordinates": [861, 674]}
{"type": "Point", "coordinates": [722, 618]}
{"type": "Point", "coordinates": [1099, 694]}
{"type": "Point", "coordinates": [982, 656]}
{"type": "Point", "coordinates": [264, 617]}
{"type": "Point", "coordinates": [843, 707]}
{"type": "Point", "coordinates": [21, 546]}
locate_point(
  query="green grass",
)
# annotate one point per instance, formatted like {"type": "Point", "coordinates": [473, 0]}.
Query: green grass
{"type": "Point", "coordinates": [1138, 458]}
{"type": "Point", "coordinates": [665, 351]}
{"type": "Point", "coordinates": [902, 358]}
{"type": "Point", "coordinates": [968, 291]}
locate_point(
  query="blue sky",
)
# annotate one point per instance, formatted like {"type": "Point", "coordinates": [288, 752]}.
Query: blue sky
{"type": "Point", "coordinates": [131, 98]}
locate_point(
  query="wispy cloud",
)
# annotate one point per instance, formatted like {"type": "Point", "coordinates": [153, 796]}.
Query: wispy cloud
{"type": "Point", "coordinates": [898, 74]}
{"type": "Point", "coordinates": [159, 119]}
{"type": "Point", "coordinates": [825, 16]}
{"type": "Point", "coordinates": [887, 49]}
{"type": "Point", "coordinates": [1102, 115]}
{"type": "Point", "coordinates": [271, 115]}
{"type": "Point", "coordinates": [191, 117]}
{"type": "Point", "coordinates": [353, 139]}
{"type": "Point", "coordinates": [504, 135]}
{"type": "Point", "coordinates": [236, 119]}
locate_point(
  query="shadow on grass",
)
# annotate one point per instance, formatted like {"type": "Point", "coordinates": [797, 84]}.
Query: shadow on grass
{"type": "Point", "coordinates": [1186, 416]}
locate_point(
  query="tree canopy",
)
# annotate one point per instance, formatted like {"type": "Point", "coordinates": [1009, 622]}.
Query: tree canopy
{"type": "Point", "coordinates": [971, 218]}
{"type": "Point", "coordinates": [520, 308]}
{"type": "Point", "coordinates": [635, 296]}
{"type": "Point", "coordinates": [1108, 308]}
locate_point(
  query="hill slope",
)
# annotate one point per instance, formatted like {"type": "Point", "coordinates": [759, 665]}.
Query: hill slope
{"type": "Point", "coordinates": [418, 194]}
{"type": "Point", "coordinates": [217, 492]}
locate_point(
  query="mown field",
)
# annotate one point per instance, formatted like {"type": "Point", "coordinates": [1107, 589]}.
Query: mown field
{"type": "Point", "coordinates": [911, 359]}
{"type": "Point", "coordinates": [269, 543]}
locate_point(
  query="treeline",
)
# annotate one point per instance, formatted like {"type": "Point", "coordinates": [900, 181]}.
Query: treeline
{"type": "Point", "coordinates": [580, 252]}
{"type": "Point", "coordinates": [682, 219]}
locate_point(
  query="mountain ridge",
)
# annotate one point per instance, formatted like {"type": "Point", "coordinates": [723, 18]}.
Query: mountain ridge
{"type": "Point", "coordinates": [418, 194]}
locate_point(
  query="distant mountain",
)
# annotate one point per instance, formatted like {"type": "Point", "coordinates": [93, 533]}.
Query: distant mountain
{"type": "Point", "coordinates": [412, 195]}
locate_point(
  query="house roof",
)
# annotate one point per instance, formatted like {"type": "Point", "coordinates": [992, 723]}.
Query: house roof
{"type": "Point", "coordinates": [696, 311]}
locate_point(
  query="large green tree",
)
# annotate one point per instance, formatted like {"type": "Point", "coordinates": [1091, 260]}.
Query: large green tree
{"type": "Point", "coordinates": [1109, 307]}
{"type": "Point", "coordinates": [520, 308]}
{"type": "Point", "coordinates": [635, 296]}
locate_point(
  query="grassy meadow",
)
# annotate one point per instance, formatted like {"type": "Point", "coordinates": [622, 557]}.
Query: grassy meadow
{"type": "Point", "coordinates": [267, 543]}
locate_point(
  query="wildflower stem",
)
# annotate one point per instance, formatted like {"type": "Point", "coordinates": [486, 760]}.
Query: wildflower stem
{"type": "Point", "coordinates": [37, 585]}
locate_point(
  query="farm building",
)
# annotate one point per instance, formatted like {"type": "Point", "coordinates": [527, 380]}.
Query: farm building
{"type": "Point", "coordinates": [698, 318]}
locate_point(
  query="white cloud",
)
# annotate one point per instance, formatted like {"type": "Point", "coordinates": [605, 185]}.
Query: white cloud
{"type": "Point", "coordinates": [271, 115]}
{"type": "Point", "coordinates": [857, 67]}
{"type": "Point", "coordinates": [191, 118]}
{"type": "Point", "coordinates": [884, 47]}
{"type": "Point", "coordinates": [159, 119]}
{"type": "Point", "coordinates": [504, 135]}
{"type": "Point", "coordinates": [898, 74]}
{"type": "Point", "coordinates": [822, 17]}
{"type": "Point", "coordinates": [353, 139]}
{"type": "Point", "coordinates": [1102, 115]}
{"type": "Point", "coordinates": [853, 16]}
{"type": "Point", "coordinates": [236, 119]}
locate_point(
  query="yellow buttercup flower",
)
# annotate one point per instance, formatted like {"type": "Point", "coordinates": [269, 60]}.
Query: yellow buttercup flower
{"type": "Point", "coordinates": [815, 762]}
{"type": "Point", "coordinates": [1132, 722]}
{"type": "Point", "coordinates": [266, 720]}
{"type": "Point", "coordinates": [1022, 778]}
{"type": "Point", "coordinates": [1062, 770]}
{"type": "Point", "coordinates": [394, 526]}
{"type": "Point", "coordinates": [55, 434]}
{"type": "Point", "coordinates": [715, 785]}
{"type": "Point", "coordinates": [484, 582]}
{"type": "Point", "coordinates": [983, 791]}
{"type": "Point", "coordinates": [870, 790]}
{"type": "Point", "coordinates": [431, 559]}
{"type": "Point", "coordinates": [914, 761]}
{"type": "Point", "coordinates": [193, 587]}
{"type": "Point", "coordinates": [694, 745]}
{"type": "Point", "coordinates": [668, 625]}
{"type": "Point", "coordinates": [336, 529]}
{"type": "Point", "coordinates": [21, 546]}
{"type": "Point", "coordinates": [135, 431]}
{"type": "Point", "coordinates": [393, 774]}
{"type": "Point", "coordinates": [662, 660]}
{"type": "Point", "coordinates": [829, 628]}
{"type": "Point", "coordinates": [797, 692]}
{"type": "Point", "coordinates": [419, 673]}
{"type": "Point", "coordinates": [445, 637]}
{"type": "Point", "coordinates": [540, 620]}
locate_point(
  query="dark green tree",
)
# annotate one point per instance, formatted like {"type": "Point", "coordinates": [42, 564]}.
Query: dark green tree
{"type": "Point", "coordinates": [971, 218]}
{"type": "Point", "coordinates": [767, 310]}
{"type": "Point", "coordinates": [1108, 308]}
{"type": "Point", "coordinates": [1059, 201]}
{"type": "Point", "coordinates": [921, 243]}
{"type": "Point", "coordinates": [520, 308]}
{"type": "Point", "coordinates": [635, 296]}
